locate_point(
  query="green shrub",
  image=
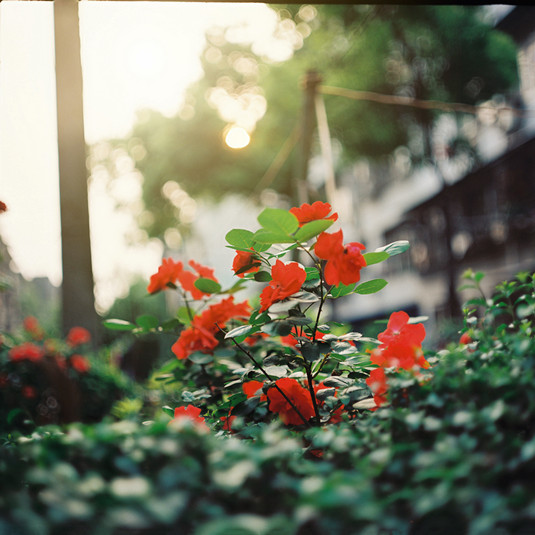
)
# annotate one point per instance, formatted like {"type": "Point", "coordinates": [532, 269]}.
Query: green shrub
{"type": "Point", "coordinates": [52, 381]}
{"type": "Point", "coordinates": [453, 452]}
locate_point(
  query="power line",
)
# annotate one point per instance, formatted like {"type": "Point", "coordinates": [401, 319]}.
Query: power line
{"type": "Point", "coordinates": [416, 103]}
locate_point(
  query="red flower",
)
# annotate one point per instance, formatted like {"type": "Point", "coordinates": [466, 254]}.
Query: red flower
{"type": "Point", "coordinates": [189, 413]}
{"type": "Point", "coordinates": [3, 207]}
{"type": "Point", "coordinates": [32, 327]}
{"type": "Point", "coordinates": [26, 351]}
{"type": "Point", "coordinates": [187, 278]}
{"type": "Point", "coordinates": [220, 313]}
{"type": "Point", "coordinates": [245, 262]}
{"type": "Point", "coordinates": [465, 339]}
{"type": "Point", "coordinates": [228, 420]}
{"type": "Point", "coordinates": [252, 388]}
{"type": "Point", "coordinates": [287, 279]}
{"type": "Point", "coordinates": [80, 363]}
{"type": "Point", "coordinates": [29, 392]}
{"type": "Point", "coordinates": [377, 383]}
{"type": "Point", "coordinates": [312, 212]}
{"type": "Point", "coordinates": [167, 274]}
{"type": "Point", "coordinates": [200, 336]}
{"type": "Point", "coordinates": [399, 329]}
{"type": "Point", "coordinates": [298, 395]}
{"type": "Point", "coordinates": [400, 344]}
{"type": "Point", "coordinates": [78, 336]}
{"type": "Point", "coordinates": [344, 262]}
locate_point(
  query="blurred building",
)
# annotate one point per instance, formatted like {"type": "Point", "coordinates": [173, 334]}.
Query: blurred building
{"type": "Point", "coordinates": [458, 213]}
{"type": "Point", "coordinates": [10, 314]}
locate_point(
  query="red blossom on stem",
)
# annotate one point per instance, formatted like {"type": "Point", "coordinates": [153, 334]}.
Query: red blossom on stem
{"type": "Point", "coordinates": [79, 363]}
{"type": "Point", "coordinates": [200, 336]}
{"type": "Point", "coordinates": [78, 336]}
{"type": "Point", "coordinates": [401, 348]}
{"type": "Point", "coordinates": [26, 351]}
{"type": "Point", "coordinates": [191, 413]}
{"type": "Point", "coordinates": [344, 262]}
{"type": "Point", "coordinates": [171, 272]}
{"type": "Point", "coordinates": [400, 344]}
{"type": "Point", "coordinates": [377, 383]}
{"type": "Point", "coordinates": [286, 280]}
{"type": "Point", "coordinates": [252, 388]}
{"type": "Point", "coordinates": [465, 339]}
{"type": "Point", "coordinates": [312, 212]}
{"type": "Point", "coordinates": [299, 396]}
{"type": "Point", "coordinates": [33, 328]}
{"type": "Point", "coordinates": [187, 279]}
{"type": "Point", "coordinates": [167, 274]}
{"type": "Point", "coordinates": [245, 262]}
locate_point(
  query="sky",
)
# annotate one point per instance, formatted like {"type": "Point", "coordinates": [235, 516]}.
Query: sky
{"type": "Point", "coordinates": [134, 56]}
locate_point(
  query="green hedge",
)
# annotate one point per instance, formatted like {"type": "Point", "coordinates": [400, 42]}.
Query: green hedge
{"type": "Point", "coordinates": [453, 453]}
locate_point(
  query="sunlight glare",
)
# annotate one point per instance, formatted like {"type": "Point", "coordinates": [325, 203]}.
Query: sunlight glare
{"type": "Point", "coordinates": [237, 137]}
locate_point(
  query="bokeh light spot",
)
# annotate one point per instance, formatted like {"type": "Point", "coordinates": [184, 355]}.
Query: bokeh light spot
{"type": "Point", "coordinates": [237, 137]}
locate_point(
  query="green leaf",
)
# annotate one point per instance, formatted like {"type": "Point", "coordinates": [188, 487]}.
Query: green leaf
{"type": "Point", "coordinates": [299, 320]}
{"type": "Point", "coordinates": [375, 257]}
{"type": "Point", "coordinates": [240, 331]}
{"type": "Point", "coordinates": [279, 221]}
{"type": "Point", "coordinates": [208, 286]}
{"type": "Point", "coordinates": [183, 315]}
{"type": "Point", "coordinates": [312, 228]}
{"type": "Point", "coordinates": [200, 358]}
{"type": "Point", "coordinates": [12, 414]}
{"type": "Point", "coordinates": [169, 410]}
{"type": "Point", "coordinates": [310, 351]}
{"type": "Point", "coordinates": [169, 366]}
{"type": "Point", "coordinates": [342, 289]}
{"type": "Point", "coordinates": [258, 318]}
{"type": "Point", "coordinates": [394, 248]}
{"type": "Point", "coordinates": [171, 325]}
{"type": "Point", "coordinates": [370, 287]}
{"type": "Point", "coordinates": [262, 276]}
{"type": "Point", "coordinates": [240, 238]}
{"type": "Point", "coordinates": [312, 274]}
{"type": "Point", "coordinates": [269, 237]}
{"type": "Point", "coordinates": [119, 325]}
{"type": "Point", "coordinates": [147, 322]}
{"type": "Point", "coordinates": [261, 247]}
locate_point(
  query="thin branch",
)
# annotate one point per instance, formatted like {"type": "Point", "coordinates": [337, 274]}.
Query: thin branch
{"type": "Point", "coordinates": [259, 366]}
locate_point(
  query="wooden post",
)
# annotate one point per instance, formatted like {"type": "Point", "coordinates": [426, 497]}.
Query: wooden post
{"type": "Point", "coordinates": [308, 122]}
{"type": "Point", "coordinates": [78, 303]}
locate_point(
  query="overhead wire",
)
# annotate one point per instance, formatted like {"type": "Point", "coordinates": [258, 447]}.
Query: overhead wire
{"type": "Point", "coordinates": [395, 100]}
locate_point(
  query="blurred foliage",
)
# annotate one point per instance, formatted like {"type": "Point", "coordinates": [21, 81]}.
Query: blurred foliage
{"type": "Point", "coordinates": [427, 52]}
{"type": "Point", "coordinates": [52, 381]}
{"type": "Point", "coordinates": [452, 454]}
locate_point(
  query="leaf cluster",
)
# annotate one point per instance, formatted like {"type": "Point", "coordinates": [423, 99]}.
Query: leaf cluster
{"type": "Point", "coordinates": [456, 447]}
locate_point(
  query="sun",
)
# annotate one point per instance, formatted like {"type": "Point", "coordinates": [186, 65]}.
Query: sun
{"type": "Point", "coordinates": [237, 137]}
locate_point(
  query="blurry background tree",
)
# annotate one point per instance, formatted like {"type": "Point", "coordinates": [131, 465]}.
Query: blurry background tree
{"type": "Point", "coordinates": [447, 53]}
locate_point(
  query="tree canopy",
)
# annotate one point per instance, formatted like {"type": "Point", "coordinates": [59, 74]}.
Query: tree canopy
{"type": "Point", "coordinates": [448, 53]}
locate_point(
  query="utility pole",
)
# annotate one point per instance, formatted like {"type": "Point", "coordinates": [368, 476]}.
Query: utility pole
{"type": "Point", "coordinates": [78, 303]}
{"type": "Point", "coordinates": [310, 84]}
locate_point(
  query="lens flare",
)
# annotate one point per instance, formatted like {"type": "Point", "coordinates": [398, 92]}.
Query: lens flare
{"type": "Point", "coordinates": [237, 137]}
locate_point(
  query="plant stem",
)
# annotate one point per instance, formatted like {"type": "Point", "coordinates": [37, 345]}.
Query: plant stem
{"type": "Point", "coordinates": [310, 381]}
{"type": "Point", "coordinates": [259, 366]}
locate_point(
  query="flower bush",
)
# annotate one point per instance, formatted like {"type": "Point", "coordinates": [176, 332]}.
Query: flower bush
{"type": "Point", "coordinates": [452, 454]}
{"type": "Point", "coordinates": [45, 380]}
{"type": "Point", "coordinates": [284, 421]}
{"type": "Point", "coordinates": [304, 370]}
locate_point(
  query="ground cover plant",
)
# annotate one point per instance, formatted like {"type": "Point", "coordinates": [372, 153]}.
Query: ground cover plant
{"type": "Point", "coordinates": [285, 422]}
